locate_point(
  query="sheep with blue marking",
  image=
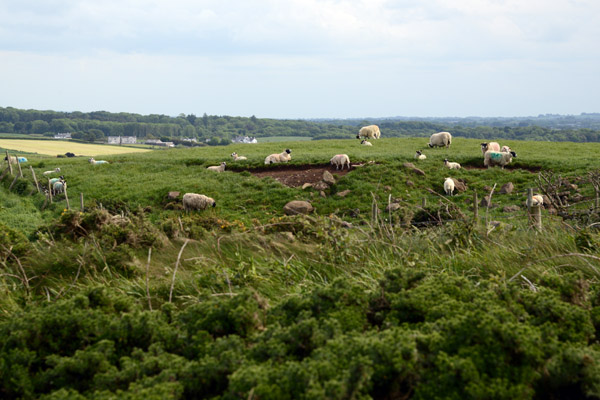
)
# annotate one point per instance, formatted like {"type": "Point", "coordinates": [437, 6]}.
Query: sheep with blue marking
{"type": "Point", "coordinates": [492, 158]}
{"type": "Point", "coordinates": [97, 162]}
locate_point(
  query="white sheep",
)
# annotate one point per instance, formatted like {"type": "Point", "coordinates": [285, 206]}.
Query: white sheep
{"type": "Point", "coordinates": [217, 168]}
{"type": "Point", "coordinates": [440, 139]}
{"type": "Point", "coordinates": [491, 146]}
{"type": "Point", "coordinates": [505, 149]}
{"type": "Point", "coordinates": [492, 158]}
{"type": "Point", "coordinates": [194, 201]}
{"type": "Point", "coordinates": [237, 157]}
{"type": "Point", "coordinates": [51, 172]}
{"type": "Point", "coordinates": [451, 165]}
{"type": "Point", "coordinates": [365, 142]}
{"type": "Point", "coordinates": [537, 200]}
{"type": "Point", "coordinates": [284, 156]}
{"type": "Point", "coordinates": [59, 187]}
{"type": "Point", "coordinates": [420, 156]}
{"type": "Point", "coordinates": [15, 159]}
{"type": "Point", "coordinates": [369, 132]}
{"type": "Point", "coordinates": [97, 162]}
{"type": "Point", "coordinates": [449, 186]}
{"type": "Point", "coordinates": [340, 159]}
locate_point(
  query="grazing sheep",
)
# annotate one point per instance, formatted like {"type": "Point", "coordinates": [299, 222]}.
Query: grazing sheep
{"type": "Point", "coordinates": [451, 165]}
{"type": "Point", "coordinates": [97, 162]}
{"type": "Point", "coordinates": [340, 159]}
{"type": "Point", "coordinates": [15, 159]}
{"type": "Point", "coordinates": [440, 139]}
{"type": "Point", "coordinates": [236, 157]}
{"type": "Point", "coordinates": [284, 156]}
{"type": "Point", "coordinates": [365, 142]}
{"type": "Point", "coordinates": [194, 201]}
{"type": "Point", "coordinates": [420, 156]}
{"type": "Point", "coordinates": [491, 146]}
{"type": "Point", "coordinates": [51, 172]}
{"type": "Point", "coordinates": [449, 186]}
{"type": "Point", "coordinates": [369, 132]}
{"type": "Point", "coordinates": [492, 158]}
{"type": "Point", "coordinates": [217, 168]}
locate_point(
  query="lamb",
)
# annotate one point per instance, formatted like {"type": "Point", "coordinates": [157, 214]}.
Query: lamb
{"type": "Point", "coordinates": [59, 187]}
{"type": "Point", "coordinates": [440, 139]}
{"type": "Point", "coordinates": [365, 142]}
{"type": "Point", "coordinates": [340, 159]}
{"type": "Point", "coordinates": [194, 201]}
{"type": "Point", "coordinates": [236, 157]}
{"type": "Point", "coordinates": [97, 162]}
{"type": "Point", "coordinates": [420, 156]}
{"type": "Point", "coordinates": [451, 165]}
{"type": "Point", "coordinates": [491, 146]}
{"type": "Point", "coordinates": [505, 149]}
{"type": "Point", "coordinates": [537, 200]}
{"type": "Point", "coordinates": [369, 132]}
{"type": "Point", "coordinates": [492, 158]}
{"type": "Point", "coordinates": [217, 168]}
{"type": "Point", "coordinates": [284, 156]}
{"type": "Point", "coordinates": [51, 172]}
{"type": "Point", "coordinates": [449, 186]}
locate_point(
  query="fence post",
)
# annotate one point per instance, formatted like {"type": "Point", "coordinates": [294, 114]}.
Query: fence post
{"type": "Point", "coordinates": [37, 186]}
{"type": "Point", "coordinates": [19, 165]}
{"type": "Point", "coordinates": [66, 196]}
{"type": "Point", "coordinates": [475, 208]}
{"type": "Point", "coordinates": [534, 211]}
{"type": "Point", "coordinates": [81, 200]}
{"type": "Point", "coordinates": [50, 191]}
{"type": "Point", "coordinates": [424, 202]}
{"type": "Point", "coordinates": [8, 162]}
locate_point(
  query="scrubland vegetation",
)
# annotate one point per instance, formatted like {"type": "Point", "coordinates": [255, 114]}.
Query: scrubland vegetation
{"type": "Point", "coordinates": [133, 298]}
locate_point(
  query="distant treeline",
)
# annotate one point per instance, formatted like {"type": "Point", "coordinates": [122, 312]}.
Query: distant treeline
{"type": "Point", "coordinates": [95, 125]}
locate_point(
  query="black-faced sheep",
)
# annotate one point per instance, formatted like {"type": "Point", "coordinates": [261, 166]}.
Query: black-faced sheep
{"type": "Point", "coordinates": [237, 157]}
{"type": "Point", "coordinates": [284, 156]}
{"type": "Point", "coordinates": [369, 132]}
{"type": "Point", "coordinates": [451, 165]}
{"type": "Point", "coordinates": [340, 159]}
{"type": "Point", "coordinates": [491, 146]}
{"type": "Point", "coordinates": [194, 201]}
{"type": "Point", "coordinates": [492, 158]}
{"type": "Point", "coordinates": [440, 139]}
{"type": "Point", "coordinates": [420, 156]}
{"type": "Point", "coordinates": [217, 168]}
{"type": "Point", "coordinates": [365, 142]}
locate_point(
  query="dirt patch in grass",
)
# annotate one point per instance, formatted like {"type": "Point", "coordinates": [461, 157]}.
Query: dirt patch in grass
{"type": "Point", "coordinates": [297, 175]}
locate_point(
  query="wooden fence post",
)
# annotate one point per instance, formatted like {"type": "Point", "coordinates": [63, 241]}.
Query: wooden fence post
{"type": "Point", "coordinates": [66, 196]}
{"type": "Point", "coordinates": [50, 191]}
{"type": "Point", "coordinates": [534, 211]}
{"type": "Point", "coordinates": [475, 208]}
{"type": "Point", "coordinates": [8, 162]}
{"type": "Point", "coordinates": [37, 186]}
{"type": "Point", "coordinates": [423, 202]}
{"type": "Point", "coordinates": [81, 200]}
{"type": "Point", "coordinates": [19, 165]}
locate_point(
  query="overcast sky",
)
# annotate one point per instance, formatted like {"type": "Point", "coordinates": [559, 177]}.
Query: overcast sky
{"type": "Point", "coordinates": [302, 58]}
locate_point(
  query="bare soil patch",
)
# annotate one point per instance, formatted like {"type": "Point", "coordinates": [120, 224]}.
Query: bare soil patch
{"type": "Point", "coordinates": [297, 175]}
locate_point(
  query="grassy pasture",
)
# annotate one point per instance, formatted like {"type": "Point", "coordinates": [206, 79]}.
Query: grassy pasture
{"type": "Point", "coordinates": [55, 147]}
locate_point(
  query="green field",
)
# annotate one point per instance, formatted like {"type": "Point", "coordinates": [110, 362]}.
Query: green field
{"type": "Point", "coordinates": [134, 298]}
{"type": "Point", "coordinates": [55, 147]}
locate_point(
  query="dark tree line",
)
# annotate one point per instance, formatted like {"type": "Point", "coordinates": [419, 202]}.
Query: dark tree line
{"type": "Point", "coordinates": [98, 124]}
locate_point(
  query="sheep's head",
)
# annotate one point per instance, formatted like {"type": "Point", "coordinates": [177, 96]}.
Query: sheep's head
{"type": "Point", "coordinates": [430, 145]}
{"type": "Point", "coordinates": [419, 152]}
{"type": "Point", "coordinates": [446, 161]}
{"type": "Point", "coordinates": [358, 136]}
{"type": "Point", "coordinates": [214, 203]}
{"type": "Point", "coordinates": [288, 151]}
{"type": "Point", "coordinates": [234, 154]}
{"type": "Point", "coordinates": [512, 153]}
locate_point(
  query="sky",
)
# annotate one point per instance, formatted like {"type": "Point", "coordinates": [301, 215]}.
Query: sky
{"type": "Point", "coordinates": [296, 59]}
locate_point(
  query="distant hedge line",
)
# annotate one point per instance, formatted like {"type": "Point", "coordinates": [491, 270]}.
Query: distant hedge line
{"type": "Point", "coordinates": [419, 336]}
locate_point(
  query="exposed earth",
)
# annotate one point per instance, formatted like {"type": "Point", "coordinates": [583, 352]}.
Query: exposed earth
{"type": "Point", "coordinates": [298, 175]}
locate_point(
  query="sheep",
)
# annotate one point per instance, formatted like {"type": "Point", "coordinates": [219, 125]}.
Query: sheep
{"type": "Point", "coordinates": [505, 149]}
{"type": "Point", "coordinates": [15, 159]}
{"type": "Point", "coordinates": [340, 159]}
{"type": "Point", "coordinates": [365, 142]}
{"type": "Point", "coordinates": [51, 172]}
{"type": "Point", "coordinates": [97, 162]}
{"type": "Point", "coordinates": [194, 201]}
{"type": "Point", "coordinates": [420, 156]}
{"type": "Point", "coordinates": [369, 132]}
{"type": "Point", "coordinates": [217, 168]}
{"type": "Point", "coordinates": [491, 146]}
{"type": "Point", "coordinates": [284, 156]}
{"type": "Point", "coordinates": [440, 139]}
{"type": "Point", "coordinates": [59, 187]}
{"type": "Point", "coordinates": [451, 165]}
{"type": "Point", "coordinates": [236, 157]}
{"type": "Point", "coordinates": [449, 186]}
{"type": "Point", "coordinates": [537, 200]}
{"type": "Point", "coordinates": [492, 158]}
